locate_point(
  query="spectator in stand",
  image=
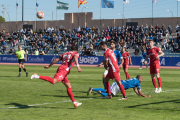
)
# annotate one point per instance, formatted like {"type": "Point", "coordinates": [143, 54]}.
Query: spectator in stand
{"type": "Point", "coordinates": [177, 28]}
{"type": "Point", "coordinates": [157, 27]}
{"type": "Point", "coordinates": [136, 50]}
{"type": "Point", "coordinates": [170, 29]}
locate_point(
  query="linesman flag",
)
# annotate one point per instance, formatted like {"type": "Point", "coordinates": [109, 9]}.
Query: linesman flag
{"type": "Point", "coordinates": [125, 1]}
{"type": "Point", "coordinates": [81, 2]}
{"type": "Point", "coordinates": [155, 1]}
{"type": "Point", "coordinates": [107, 4]}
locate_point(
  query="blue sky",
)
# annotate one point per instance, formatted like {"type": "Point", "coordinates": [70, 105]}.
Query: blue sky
{"type": "Point", "coordinates": [135, 9]}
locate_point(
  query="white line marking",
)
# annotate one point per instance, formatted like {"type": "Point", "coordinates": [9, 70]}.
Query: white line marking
{"type": "Point", "coordinates": [25, 106]}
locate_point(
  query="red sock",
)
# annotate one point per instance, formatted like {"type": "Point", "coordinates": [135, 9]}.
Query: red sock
{"type": "Point", "coordinates": [154, 82]}
{"type": "Point", "coordinates": [122, 90]}
{"type": "Point", "coordinates": [159, 81]}
{"type": "Point", "coordinates": [108, 88]}
{"type": "Point", "coordinates": [47, 78]}
{"type": "Point", "coordinates": [127, 76]}
{"type": "Point", "coordinates": [69, 92]}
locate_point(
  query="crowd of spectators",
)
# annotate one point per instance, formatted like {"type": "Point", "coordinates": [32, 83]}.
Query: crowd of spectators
{"type": "Point", "coordinates": [88, 39]}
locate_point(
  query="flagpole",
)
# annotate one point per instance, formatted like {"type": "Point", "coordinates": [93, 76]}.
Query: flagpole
{"type": "Point", "coordinates": [56, 9]}
{"type": "Point", "coordinates": [100, 11]}
{"type": "Point", "coordinates": [123, 14]}
{"type": "Point", "coordinates": [16, 11]}
{"type": "Point", "coordinates": [16, 14]}
{"type": "Point", "coordinates": [152, 12]}
{"type": "Point", "coordinates": [78, 17]}
{"type": "Point", "coordinates": [177, 8]}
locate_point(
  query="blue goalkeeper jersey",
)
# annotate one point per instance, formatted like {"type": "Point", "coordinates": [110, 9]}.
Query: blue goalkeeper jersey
{"type": "Point", "coordinates": [131, 83]}
{"type": "Point", "coordinates": [118, 55]}
{"type": "Point", "coordinates": [144, 55]}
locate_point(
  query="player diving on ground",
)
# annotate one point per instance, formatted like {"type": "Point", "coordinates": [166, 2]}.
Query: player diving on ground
{"type": "Point", "coordinates": [130, 83]}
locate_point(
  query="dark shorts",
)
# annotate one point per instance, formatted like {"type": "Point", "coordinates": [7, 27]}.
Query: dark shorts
{"type": "Point", "coordinates": [21, 61]}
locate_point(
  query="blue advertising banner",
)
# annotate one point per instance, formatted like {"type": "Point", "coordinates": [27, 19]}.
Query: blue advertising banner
{"type": "Point", "coordinates": [84, 60]}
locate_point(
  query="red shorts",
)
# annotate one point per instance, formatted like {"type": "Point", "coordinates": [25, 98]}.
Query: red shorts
{"type": "Point", "coordinates": [61, 75]}
{"type": "Point", "coordinates": [154, 68]}
{"type": "Point", "coordinates": [113, 75]}
{"type": "Point", "coordinates": [125, 66]}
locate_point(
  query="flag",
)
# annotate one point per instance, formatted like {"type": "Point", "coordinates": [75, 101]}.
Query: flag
{"type": "Point", "coordinates": [125, 1]}
{"type": "Point", "coordinates": [37, 5]}
{"type": "Point", "coordinates": [61, 5]}
{"type": "Point", "coordinates": [107, 4]}
{"type": "Point", "coordinates": [17, 6]}
{"type": "Point", "coordinates": [81, 2]}
{"type": "Point", "coordinates": [155, 1]}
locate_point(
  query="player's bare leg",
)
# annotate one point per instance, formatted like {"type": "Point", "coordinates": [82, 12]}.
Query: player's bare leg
{"type": "Point", "coordinates": [19, 70]}
{"type": "Point", "coordinates": [24, 70]}
{"type": "Point", "coordinates": [69, 92]}
{"type": "Point", "coordinates": [154, 83]}
{"type": "Point", "coordinates": [122, 90]}
{"type": "Point", "coordinates": [127, 74]}
{"type": "Point", "coordinates": [159, 82]}
{"type": "Point", "coordinates": [46, 78]}
{"type": "Point", "coordinates": [106, 80]}
{"type": "Point", "coordinates": [141, 65]}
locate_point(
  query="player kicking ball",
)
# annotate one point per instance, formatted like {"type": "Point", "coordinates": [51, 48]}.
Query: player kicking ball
{"type": "Point", "coordinates": [154, 53]}
{"type": "Point", "coordinates": [68, 59]}
{"type": "Point", "coordinates": [118, 57]}
{"type": "Point", "coordinates": [126, 58]}
{"type": "Point", "coordinates": [143, 59]}
{"type": "Point", "coordinates": [20, 54]}
{"type": "Point", "coordinates": [113, 71]}
{"type": "Point", "coordinates": [131, 83]}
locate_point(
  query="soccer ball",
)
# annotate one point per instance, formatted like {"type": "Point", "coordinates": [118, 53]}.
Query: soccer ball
{"type": "Point", "coordinates": [40, 14]}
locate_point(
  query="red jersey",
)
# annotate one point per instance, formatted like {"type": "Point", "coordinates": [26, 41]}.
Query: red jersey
{"type": "Point", "coordinates": [153, 53]}
{"type": "Point", "coordinates": [126, 58]}
{"type": "Point", "coordinates": [68, 60]}
{"type": "Point", "coordinates": [112, 60]}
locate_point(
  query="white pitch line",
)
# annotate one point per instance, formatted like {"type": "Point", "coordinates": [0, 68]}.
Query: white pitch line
{"type": "Point", "coordinates": [25, 106]}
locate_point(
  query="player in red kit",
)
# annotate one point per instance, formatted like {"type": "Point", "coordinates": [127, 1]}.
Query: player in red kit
{"type": "Point", "coordinates": [113, 71]}
{"type": "Point", "coordinates": [154, 53]}
{"type": "Point", "coordinates": [68, 59]}
{"type": "Point", "coordinates": [126, 58]}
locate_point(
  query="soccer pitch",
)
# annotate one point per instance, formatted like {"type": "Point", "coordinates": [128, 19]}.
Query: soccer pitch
{"type": "Point", "coordinates": [25, 99]}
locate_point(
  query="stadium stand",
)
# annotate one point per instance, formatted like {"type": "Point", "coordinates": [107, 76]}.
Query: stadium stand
{"type": "Point", "coordinates": [57, 41]}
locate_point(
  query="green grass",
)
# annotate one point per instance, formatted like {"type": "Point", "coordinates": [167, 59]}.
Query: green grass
{"type": "Point", "coordinates": [23, 91]}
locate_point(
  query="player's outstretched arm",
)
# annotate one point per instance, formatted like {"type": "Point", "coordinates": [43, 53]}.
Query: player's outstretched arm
{"type": "Point", "coordinates": [53, 62]}
{"type": "Point", "coordinates": [25, 56]}
{"type": "Point", "coordinates": [145, 62]}
{"type": "Point", "coordinates": [105, 64]}
{"type": "Point", "coordinates": [122, 61]}
{"type": "Point", "coordinates": [130, 60]}
{"type": "Point", "coordinates": [161, 53]}
{"type": "Point", "coordinates": [100, 64]}
{"type": "Point", "coordinates": [139, 93]}
{"type": "Point", "coordinates": [136, 91]}
{"type": "Point", "coordinates": [76, 61]}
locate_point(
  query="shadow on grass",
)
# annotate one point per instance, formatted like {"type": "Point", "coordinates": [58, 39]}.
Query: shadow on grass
{"type": "Point", "coordinates": [155, 103]}
{"type": "Point", "coordinates": [65, 96]}
{"type": "Point", "coordinates": [72, 91]}
{"type": "Point", "coordinates": [19, 106]}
